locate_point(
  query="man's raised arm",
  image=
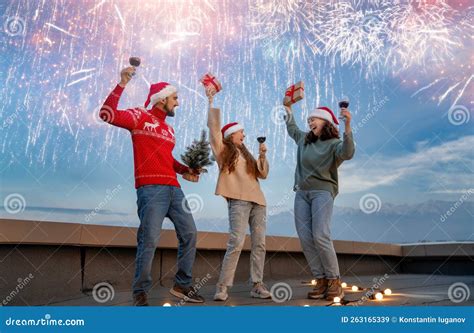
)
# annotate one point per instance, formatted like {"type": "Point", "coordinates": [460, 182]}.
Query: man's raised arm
{"type": "Point", "coordinates": [108, 112]}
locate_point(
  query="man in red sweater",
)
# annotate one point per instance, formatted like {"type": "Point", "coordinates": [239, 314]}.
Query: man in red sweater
{"type": "Point", "coordinates": [158, 190]}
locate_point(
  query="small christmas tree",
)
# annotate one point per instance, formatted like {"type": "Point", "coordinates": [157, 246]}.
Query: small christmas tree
{"type": "Point", "coordinates": [198, 154]}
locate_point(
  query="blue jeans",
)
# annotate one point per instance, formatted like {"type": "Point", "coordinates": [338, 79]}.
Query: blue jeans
{"type": "Point", "coordinates": [313, 211]}
{"type": "Point", "coordinates": [155, 202]}
{"type": "Point", "coordinates": [243, 214]}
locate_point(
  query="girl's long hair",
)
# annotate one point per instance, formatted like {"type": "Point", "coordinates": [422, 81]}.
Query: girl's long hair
{"type": "Point", "coordinates": [230, 155]}
{"type": "Point", "coordinates": [328, 132]}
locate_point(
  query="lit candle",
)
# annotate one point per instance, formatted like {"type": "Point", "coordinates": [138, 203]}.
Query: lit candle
{"type": "Point", "coordinates": [167, 304]}
{"type": "Point", "coordinates": [355, 288]}
{"type": "Point", "coordinates": [337, 300]}
{"type": "Point", "coordinates": [344, 285]}
{"type": "Point", "coordinates": [313, 282]}
{"type": "Point", "coordinates": [379, 296]}
{"type": "Point", "coordinates": [387, 291]}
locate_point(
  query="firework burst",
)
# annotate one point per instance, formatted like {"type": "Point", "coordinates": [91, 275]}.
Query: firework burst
{"type": "Point", "coordinates": [285, 28]}
{"type": "Point", "coordinates": [63, 61]}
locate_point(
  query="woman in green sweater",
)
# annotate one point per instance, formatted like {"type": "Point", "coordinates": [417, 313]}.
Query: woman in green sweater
{"type": "Point", "coordinates": [320, 153]}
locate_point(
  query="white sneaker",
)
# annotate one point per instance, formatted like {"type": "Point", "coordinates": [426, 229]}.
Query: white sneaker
{"type": "Point", "coordinates": [221, 293]}
{"type": "Point", "coordinates": [260, 291]}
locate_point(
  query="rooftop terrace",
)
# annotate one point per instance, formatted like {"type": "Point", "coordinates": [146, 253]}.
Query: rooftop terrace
{"type": "Point", "coordinates": [52, 263]}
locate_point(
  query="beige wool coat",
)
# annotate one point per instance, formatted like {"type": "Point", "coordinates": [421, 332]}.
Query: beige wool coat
{"type": "Point", "coordinates": [237, 184]}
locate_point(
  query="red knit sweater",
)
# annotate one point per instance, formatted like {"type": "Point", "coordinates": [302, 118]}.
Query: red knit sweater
{"type": "Point", "coordinates": [153, 141]}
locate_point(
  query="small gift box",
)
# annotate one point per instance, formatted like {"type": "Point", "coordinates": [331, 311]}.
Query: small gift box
{"type": "Point", "coordinates": [211, 83]}
{"type": "Point", "coordinates": [294, 94]}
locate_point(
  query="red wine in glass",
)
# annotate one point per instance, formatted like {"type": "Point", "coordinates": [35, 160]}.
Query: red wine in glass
{"type": "Point", "coordinates": [135, 62]}
{"type": "Point", "coordinates": [343, 103]}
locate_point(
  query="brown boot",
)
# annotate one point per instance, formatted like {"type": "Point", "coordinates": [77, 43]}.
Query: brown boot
{"type": "Point", "coordinates": [319, 291]}
{"type": "Point", "coordinates": [334, 290]}
{"type": "Point", "coordinates": [140, 299]}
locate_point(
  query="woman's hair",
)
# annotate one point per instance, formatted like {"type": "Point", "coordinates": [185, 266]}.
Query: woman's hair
{"type": "Point", "coordinates": [230, 155]}
{"type": "Point", "coordinates": [328, 132]}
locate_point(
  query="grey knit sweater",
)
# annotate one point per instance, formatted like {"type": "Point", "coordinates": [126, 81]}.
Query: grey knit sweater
{"type": "Point", "coordinates": [317, 162]}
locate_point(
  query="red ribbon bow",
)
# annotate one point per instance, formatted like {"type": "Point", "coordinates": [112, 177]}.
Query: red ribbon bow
{"type": "Point", "coordinates": [291, 91]}
{"type": "Point", "coordinates": [207, 80]}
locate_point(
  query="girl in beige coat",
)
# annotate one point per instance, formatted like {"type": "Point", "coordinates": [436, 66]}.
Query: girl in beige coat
{"type": "Point", "coordinates": [238, 184]}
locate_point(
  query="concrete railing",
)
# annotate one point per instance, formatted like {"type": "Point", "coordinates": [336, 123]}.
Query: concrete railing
{"type": "Point", "coordinates": [68, 259]}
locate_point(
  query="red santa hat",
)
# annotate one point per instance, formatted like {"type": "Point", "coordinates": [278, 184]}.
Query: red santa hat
{"type": "Point", "coordinates": [158, 91]}
{"type": "Point", "coordinates": [325, 113]}
{"type": "Point", "coordinates": [231, 128]}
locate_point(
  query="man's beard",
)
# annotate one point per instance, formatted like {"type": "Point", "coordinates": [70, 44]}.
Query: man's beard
{"type": "Point", "coordinates": [169, 112]}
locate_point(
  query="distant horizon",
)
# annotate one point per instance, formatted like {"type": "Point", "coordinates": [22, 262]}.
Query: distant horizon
{"type": "Point", "coordinates": [407, 227]}
{"type": "Point", "coordinates": [108, 211]}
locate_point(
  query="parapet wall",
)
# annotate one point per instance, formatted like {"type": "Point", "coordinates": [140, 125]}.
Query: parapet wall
{"type": "Point", "coordinates": [55, 261]}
